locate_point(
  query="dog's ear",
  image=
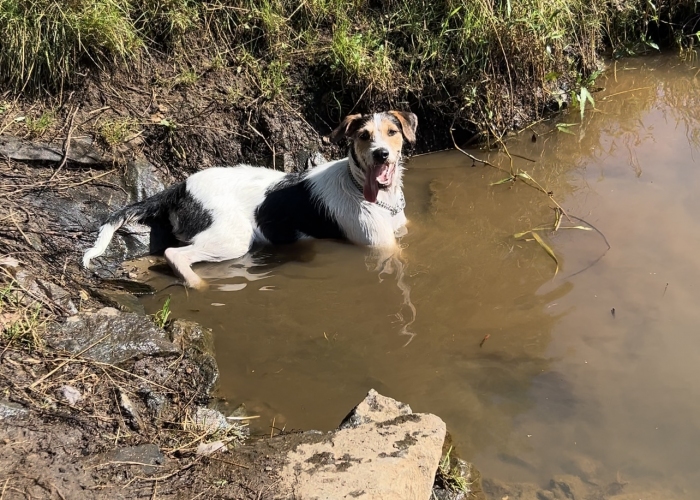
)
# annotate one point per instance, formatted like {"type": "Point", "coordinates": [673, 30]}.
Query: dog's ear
{"type": "Point", "coordinates": [409, 124]}
{"type": "Point", "coordinates": [347, 127]}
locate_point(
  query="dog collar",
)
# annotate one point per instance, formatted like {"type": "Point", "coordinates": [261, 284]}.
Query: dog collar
{"type": "Point", "coordinates": [393, 210]}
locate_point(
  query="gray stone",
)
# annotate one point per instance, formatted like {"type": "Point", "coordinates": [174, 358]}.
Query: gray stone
{"type": "Point", "coordinates": [130, 411]}
{"type": "Point", "coordinates": [375, 408]}
{"type": "Point", "coordinates": [12, 411]}
{"type": "Point", "coordinates": [386, 453]}
{"type": "Point", "coordinates": [210, 421]}
{"type": "Point", "coordinates": [81, 150]}
{"type": "Point", "coordinates": [143, 179]}
{"type": "Point", "coordinates": [119, 299]}
{"type": "Point", "coordinates": [146, 454]}
{"type": "Point", "coordinates": [198, 344]}
{"type": "Point", "coordinates": [111, 336]}
{"type": "Point", "coordinates": [82, 214]}
{"type": "Point", "coordinates": [155, 401]}
{"type": "Point", "coordinates": [9, 262]}
{"type": "Point", "coordinates": [45, 290]}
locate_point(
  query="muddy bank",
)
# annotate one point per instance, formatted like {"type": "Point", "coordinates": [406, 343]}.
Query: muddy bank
{"type": "Point", "coordinates": [109, 405]}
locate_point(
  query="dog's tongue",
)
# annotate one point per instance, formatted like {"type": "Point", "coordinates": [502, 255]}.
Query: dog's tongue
{"type": "Point", "coordinates": [376, 174]}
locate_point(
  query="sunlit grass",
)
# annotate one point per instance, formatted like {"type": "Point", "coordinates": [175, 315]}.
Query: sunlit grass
{"type": "Point", "coordinates": [481, 60]}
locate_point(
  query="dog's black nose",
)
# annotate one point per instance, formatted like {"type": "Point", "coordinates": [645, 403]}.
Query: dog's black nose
{"type": "Point", "coordinates": [380, 154]}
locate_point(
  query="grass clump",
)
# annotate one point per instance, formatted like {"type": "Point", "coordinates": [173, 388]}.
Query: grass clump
{"type": "Point", "coordinates": [45, 40]}
{"type": "Point", "coordinates": [21, 321]}
{"type": "Point", "coordinates": [474, 61]}
{"type": "Point", "coordinates": [36, 127]}
{"type": "Point", "coordinates": [187, 78]}
{"type": "Point", "coordinates": [117, 132]}
{"type": "Point", "coordinates": [451, 477]}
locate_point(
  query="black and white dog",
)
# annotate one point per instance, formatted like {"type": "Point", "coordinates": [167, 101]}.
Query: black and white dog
{"type": "Point", "coordinates": [219, 213]}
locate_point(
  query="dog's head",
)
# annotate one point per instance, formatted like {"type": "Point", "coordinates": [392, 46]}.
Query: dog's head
{"type": "Point", "coordinates": [376, 143]}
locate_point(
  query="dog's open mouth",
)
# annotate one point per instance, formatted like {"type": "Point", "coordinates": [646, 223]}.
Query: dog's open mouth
{"type": "Point", "coordinates": [380, 175]}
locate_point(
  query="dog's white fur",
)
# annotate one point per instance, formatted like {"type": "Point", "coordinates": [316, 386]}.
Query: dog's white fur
{"type": "Point", "coordinates": [232, 194]}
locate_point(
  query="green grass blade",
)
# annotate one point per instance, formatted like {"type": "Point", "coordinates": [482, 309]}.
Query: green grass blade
{"type": "Point", "coordinates": [582, 228]}
{"type": "Point", "coordinates": [564, 127]}
{"type": "Point", "coordinates": [503, 181]}
{"type": "Point", "coordinates": [547, 249]}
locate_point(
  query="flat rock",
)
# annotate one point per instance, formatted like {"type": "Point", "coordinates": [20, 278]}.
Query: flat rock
{"type": "Point", "coordinates": [145, 455]}
{"type": "Point", "coordinates": [45, 290]}
{"type": "Point", "coordinates": [382, 452]}
{"type": "Point", "coordinates": [12, 411]}
{"type": "Point", "coordinates": [119, 299]}
{"type": "Point", "coordinates": [117, 336]}
{"type": "Point", "coordinates": [81, 150]}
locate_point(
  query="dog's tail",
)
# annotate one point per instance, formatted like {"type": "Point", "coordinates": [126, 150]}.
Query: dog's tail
{"type": "Point", "coordinates": [155, 206]}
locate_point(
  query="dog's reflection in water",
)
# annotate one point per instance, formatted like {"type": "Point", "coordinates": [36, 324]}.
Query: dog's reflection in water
{"type": "Point", "coordinates": [260, 264]}
{"type": "Point", "coordinates": [390, 262]}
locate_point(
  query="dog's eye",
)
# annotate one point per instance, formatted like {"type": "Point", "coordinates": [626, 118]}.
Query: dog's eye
{"type": "Point", "coordinates": [364, 135]}
{"type": "Point", "coordinates": [392, 132]}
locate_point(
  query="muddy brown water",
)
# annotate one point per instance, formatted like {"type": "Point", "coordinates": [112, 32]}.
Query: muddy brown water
{"type": "Point", "coordinates": [562, 384]}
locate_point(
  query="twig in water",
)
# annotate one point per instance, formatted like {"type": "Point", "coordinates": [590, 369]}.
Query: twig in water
{"type": "Point", "coordinates": [486, 337]}
{"type": "Point", "coordinates": [474, 158]}
{"type": "Point", "coordinates": [524, 158]}
{"type": "Point", "coordinates": [623, 92]}
{"type": "Point", "coordinates": [601, 256]}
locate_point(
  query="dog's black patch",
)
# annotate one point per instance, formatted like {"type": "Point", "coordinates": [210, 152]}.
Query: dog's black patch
{"type": "Point", "coordinates": [290, 211]}
{"type": "Point", "coordinates": [173, 210]}
{"type": "Point", "coordinates": [188, 216]}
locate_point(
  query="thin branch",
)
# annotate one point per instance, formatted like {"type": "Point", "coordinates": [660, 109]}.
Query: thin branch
{"type": "Point", "coordinates": [66, 144]}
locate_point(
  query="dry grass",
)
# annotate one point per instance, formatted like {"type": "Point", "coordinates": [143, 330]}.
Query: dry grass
{"type": "Point", "coordinates": [35, 375]}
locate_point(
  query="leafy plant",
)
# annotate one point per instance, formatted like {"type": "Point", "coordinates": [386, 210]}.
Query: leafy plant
{"type": "Point", "coordinates": [161, 317]}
